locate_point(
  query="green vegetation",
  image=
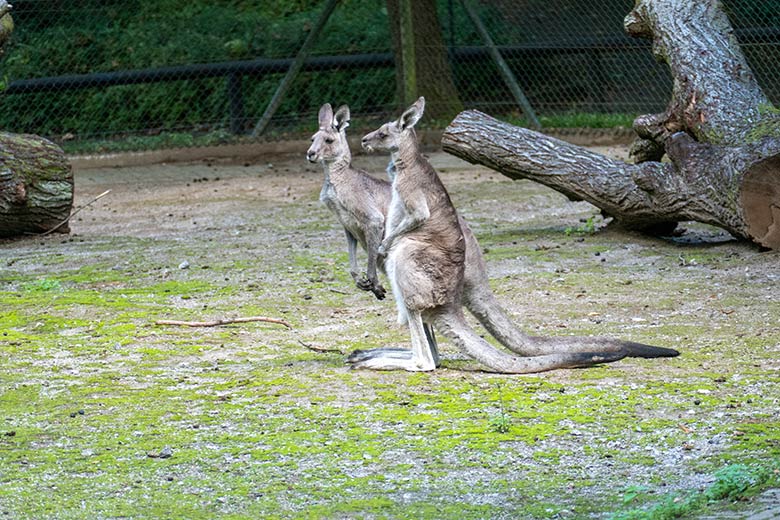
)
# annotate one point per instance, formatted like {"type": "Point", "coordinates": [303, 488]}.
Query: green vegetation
{"type": "Point", "coordinates": [733, 482]}
{"type": "Point", "coordinates": [580, 120]}
{"type": "Point", "coordinates": [89, 37]}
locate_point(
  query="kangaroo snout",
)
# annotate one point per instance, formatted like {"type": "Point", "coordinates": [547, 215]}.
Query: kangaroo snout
{"type": "Point", "coordinates": [311, 156]}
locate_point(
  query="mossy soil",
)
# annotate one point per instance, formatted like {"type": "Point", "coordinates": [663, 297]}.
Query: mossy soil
{"type": "Point", "coordinates": [104, 414]}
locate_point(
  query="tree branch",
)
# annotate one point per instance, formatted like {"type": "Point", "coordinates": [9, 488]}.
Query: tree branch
{"type": "Point", "coordinates": [227, 321]}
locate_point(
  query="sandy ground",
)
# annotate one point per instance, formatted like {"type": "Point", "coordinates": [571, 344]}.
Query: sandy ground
{"type": "Point", "coordinates": [257, 231]}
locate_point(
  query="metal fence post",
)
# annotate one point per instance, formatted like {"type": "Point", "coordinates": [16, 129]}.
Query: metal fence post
{"type": "Point", "coordinates": [506, 72]}
{"type": "Point", "coordinates": [235, 102]}
{"type": "Point", "coordinates": [408, 58]}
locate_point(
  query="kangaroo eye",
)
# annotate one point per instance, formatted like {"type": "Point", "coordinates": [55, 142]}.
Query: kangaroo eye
{"type": "Point", "coordinates": [382, 135]}
{"type": "Point", "coordinates": [329, 140]}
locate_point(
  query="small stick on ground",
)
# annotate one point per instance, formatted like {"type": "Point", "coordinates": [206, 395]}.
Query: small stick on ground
{"type": "Point", "coordinates": [227, 321]}
{"type": "Point", "coordinates": [315, 348]}
{"type": "Point", "coordinates": [58, 226]}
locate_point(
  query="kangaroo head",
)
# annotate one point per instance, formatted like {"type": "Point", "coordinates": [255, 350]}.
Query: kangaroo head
{"type": "Point", "coordinates": [329, 143]}
{"type": "Point", "coordinates": [389, 136]}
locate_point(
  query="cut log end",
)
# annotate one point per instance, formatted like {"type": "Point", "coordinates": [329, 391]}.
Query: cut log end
{"type": "Point", "coordinates": [36, 186]}
{"type": "Point", "coordinates": [760, 199]}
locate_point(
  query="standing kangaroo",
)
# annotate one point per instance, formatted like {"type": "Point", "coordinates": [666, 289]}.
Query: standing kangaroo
{"type": "Point", "coordinates": [434, 265]}
{"type": "Point", "coordinates": [361, 202]}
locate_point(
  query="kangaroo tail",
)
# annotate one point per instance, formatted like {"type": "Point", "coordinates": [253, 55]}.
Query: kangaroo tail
{"type": "Point", "coordinates": [647, 351]}
{"type": "Point", "coordinates": [484, 305]}
{"type": "Point", "coordinates": [453, 325]}
{"type": "Point", "coordinates": [600, 344]}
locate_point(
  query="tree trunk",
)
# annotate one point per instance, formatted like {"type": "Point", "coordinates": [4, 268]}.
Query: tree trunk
{"type": "Point", "coordinates": [422, 68]}
{"type": "Point", "coordinates": [36, 185]}
{"type": "Point", "coordinates": [715, 96]}
{"type": "Point", "coordinates": [719, 131]}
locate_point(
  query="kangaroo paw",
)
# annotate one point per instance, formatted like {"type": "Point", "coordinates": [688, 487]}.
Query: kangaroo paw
{"type": "Point", "coordinates": [366, 284]}
{"type": "Point", "coordinates": [362, 355]}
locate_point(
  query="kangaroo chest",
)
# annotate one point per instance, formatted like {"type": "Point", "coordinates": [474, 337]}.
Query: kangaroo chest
{"type": "Point", "coordinates": [339, 204]}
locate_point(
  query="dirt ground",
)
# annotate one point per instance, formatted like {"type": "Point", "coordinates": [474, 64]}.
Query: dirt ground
{"type": "Point", "coordinates": [107, 415]}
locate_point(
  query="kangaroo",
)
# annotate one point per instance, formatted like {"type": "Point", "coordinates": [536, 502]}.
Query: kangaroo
{"type": "Point", "coordinates": [359, 200]}
{"type": "Point", "coordinates": [435, 265]}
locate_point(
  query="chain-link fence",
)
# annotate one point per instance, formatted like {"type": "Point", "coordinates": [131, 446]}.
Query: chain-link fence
{"type": "Point", "coordinates": [188, 72]}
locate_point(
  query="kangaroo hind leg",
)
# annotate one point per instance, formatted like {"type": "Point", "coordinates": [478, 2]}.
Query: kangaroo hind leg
{"type": "Point", "coordinates": [421, 358]}
{"type": "Point", "coordinates": [396, 352]}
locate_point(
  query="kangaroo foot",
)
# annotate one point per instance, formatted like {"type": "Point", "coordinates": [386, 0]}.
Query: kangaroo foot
{"type": "Point", "coordinates": [387, 358]}
{"type": "Point", "coordinates": [374, 286]}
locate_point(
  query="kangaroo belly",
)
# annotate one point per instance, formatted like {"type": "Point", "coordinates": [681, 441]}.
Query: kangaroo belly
{"type": "Point", "coordinates": [424, 276]}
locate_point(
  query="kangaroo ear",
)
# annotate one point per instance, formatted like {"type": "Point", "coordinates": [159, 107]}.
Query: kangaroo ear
{"type": "Point", "coordinates": [341, 119]}
{"type": "Point", "coordinates": [412, 114]}
{"type": "Point", "coordinates": [326, 115]}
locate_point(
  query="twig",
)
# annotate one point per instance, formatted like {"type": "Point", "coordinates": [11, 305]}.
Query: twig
{"type": "Point", "coordinates": [315, 348]}
{"type": "Point", "coordinates": [58, 226]}
{"type": "Point", "coordinates": [227, 321]}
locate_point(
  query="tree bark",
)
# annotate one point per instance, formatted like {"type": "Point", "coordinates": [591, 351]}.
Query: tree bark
{"type": "Point", "coordinates": [699, 183]}
{"type": "Point", "coordinates": [422, 68]}
{"type": "Point", "coordinates": [715, 96]}
{"type": "Point", "coordinates": [36, 185]}
{"type": "Point", "coordinates": [720, 133]}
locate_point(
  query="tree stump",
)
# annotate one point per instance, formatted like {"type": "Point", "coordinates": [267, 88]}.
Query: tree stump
{"type": "Point", "coordinates": [720, 133]}
{"type": "Point", "coordinates": [36, 185]}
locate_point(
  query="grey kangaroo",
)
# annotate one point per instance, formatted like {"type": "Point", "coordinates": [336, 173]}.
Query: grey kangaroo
{"type": "Point", "coordinates": [427, 261]}
{"type": "Point", "coordinates": [330, 147]}
{"type": "Point", "coordinates": [359, 200]}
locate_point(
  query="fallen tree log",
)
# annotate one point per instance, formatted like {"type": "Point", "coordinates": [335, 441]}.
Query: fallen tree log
{"type": "Point", "coordinates": [719, 131]}
{"type": "Point", "coordinates": [734, 188]}
{"type": "Point", "coordinates": [36, 185]}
